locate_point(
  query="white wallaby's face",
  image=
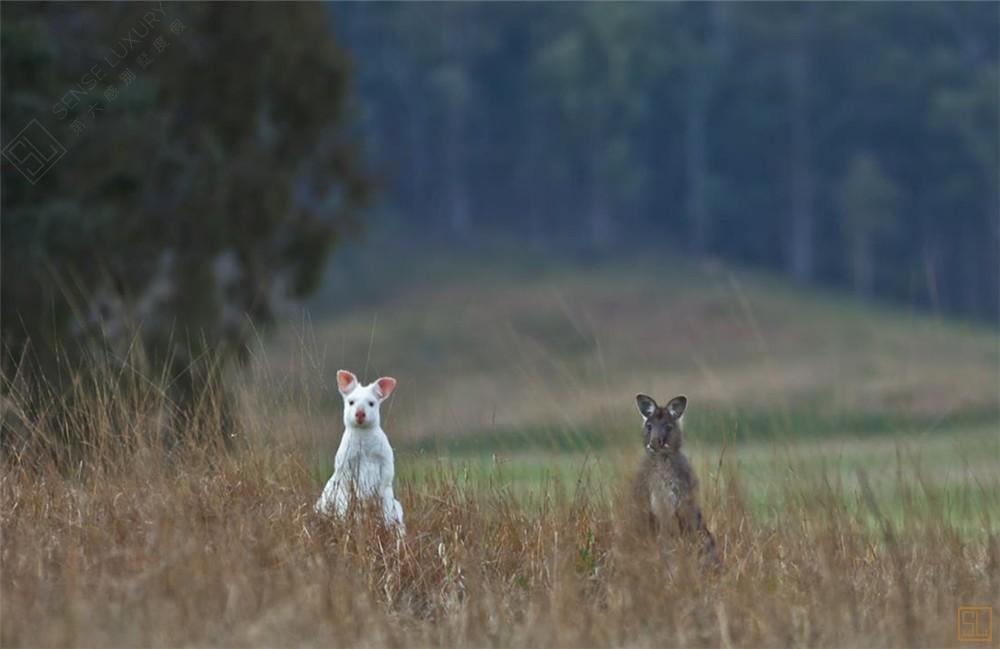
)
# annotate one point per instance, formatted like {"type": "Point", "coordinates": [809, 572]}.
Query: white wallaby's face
{"type": "Point", "coordinates": [361, 402]}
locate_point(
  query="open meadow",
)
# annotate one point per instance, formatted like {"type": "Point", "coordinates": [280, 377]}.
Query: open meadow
{"type": "Point", "coordinates": [634, 324]}
{"type": "Point", "coordinates": [848, 455]}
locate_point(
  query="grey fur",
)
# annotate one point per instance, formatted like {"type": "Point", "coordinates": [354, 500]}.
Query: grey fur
{"type": "Point", "coordinates": [666, 487]}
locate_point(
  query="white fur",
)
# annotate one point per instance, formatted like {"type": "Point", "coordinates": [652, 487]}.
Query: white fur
{"type": "Point", "coordinates": [364, 466]}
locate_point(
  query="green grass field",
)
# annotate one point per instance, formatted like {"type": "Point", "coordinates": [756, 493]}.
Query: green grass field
{"type": "Point", "coordinates": [952, 474]}
{"type": "Point", "coordinates": [518, 370]}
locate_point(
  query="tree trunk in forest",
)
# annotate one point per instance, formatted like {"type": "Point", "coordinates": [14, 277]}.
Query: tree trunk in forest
{"type": "Point", "coordinates": [863, 265]}
{"type": "Point", "coordinates": [701, 89]}
{"type": "Point", "coordinates": [599, 219]}
{"type": "Point", "coordinates": [529, 175]}
{"type": "Point", "coordinates": [417, 142]}
{"type": "Point", "coordinates": [699, 219]}
{"type": "Point", "coordinates": [598, 199]}
{"type": "Point", "coordinates": [992, 250]}
{"type": "Point", "coordinates": [458, 197]}
{"type": "Point", "coordinates": [458, 35]}
{"type": "Point", "coordinates": [800, 254]}
{"type": "Point", "coordinates": [970, 273]}
{"type": "Point", "coordinates": [932, 270]}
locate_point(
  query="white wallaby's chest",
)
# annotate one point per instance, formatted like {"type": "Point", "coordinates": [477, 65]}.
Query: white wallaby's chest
{"type": "Point", "coordinates": [364, 460]}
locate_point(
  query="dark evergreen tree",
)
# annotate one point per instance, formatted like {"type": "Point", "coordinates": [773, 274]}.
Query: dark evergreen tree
{"type": "Point", "coordinates": [209, 171]}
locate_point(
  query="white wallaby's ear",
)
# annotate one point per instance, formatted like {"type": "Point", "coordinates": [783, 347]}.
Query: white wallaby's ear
{"type": "Point", "coordinates": [346, 381]}
{"type": "Point", "coordinates": [384, 386]}
{"type": "Point", "coordinates": [676, 406]}
{"type": "Point", "coordinates": [646, 405]}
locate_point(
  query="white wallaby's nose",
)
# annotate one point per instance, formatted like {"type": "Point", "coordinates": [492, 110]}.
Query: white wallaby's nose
{"type": "Point", "coordinates": [359, 416]}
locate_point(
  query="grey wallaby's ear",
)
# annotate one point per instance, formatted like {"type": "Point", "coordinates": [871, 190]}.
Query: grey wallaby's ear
{"type": "Point", "coordinates": [676, 406]}
{"type": "Point", "coordinates": [646, 405]}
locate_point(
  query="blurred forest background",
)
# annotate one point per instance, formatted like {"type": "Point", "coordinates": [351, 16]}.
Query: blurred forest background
{"type": "Point", "coordinates": [217, 153]}
{"type": "Point", "coordinates": [846, 144]}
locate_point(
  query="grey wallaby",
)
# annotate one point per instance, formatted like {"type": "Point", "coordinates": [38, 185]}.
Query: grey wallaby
{"type": "Point", "coordinates": [666, 488]}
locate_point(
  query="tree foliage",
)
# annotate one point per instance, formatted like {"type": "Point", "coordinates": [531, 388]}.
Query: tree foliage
{"type": "Point", "coordinates": [209, 171]}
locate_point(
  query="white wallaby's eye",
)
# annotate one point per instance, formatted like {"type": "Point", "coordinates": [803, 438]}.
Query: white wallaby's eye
{"type": "Point", "coordinates": [371, 403]}
{"type": "Point", "coordinates": [351, 402]}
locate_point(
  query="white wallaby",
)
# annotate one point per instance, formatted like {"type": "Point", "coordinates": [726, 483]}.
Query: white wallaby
{"type": "Point", "coordinates": [364, 466]}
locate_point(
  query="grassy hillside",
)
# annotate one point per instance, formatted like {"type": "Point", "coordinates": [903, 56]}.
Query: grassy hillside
{"type": "Point", "coordinates": [505, 350]}
{"type": "Point", "coordinates": [519, 369]}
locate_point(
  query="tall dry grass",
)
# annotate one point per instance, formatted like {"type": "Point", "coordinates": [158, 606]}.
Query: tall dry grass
{"type": "Point", "coordinates": [155, 532]}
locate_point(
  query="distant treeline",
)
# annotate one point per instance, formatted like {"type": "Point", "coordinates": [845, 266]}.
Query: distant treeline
{"type": "Point", "coordinates": [850, 144]}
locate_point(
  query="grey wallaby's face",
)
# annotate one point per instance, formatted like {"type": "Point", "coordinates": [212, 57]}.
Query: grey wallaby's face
{"type": "Point", "coordinates": [661, 430]}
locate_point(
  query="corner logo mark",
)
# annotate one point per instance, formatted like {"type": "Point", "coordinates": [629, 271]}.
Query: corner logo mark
{"type": "Point", "coordinates": [34, 151]}
{"type": "Point", "coordinates": [974, 624]}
